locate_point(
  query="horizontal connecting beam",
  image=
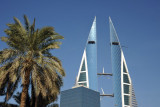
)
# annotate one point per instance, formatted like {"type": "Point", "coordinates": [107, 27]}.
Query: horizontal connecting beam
{"type": "Point", "coordinates": [107, 95]}
{"type": "Point", "coordinates": [104, 74]}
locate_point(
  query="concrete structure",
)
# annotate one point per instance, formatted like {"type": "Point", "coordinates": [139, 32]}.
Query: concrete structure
{"type": "Point", "coordinates": [80, 97]}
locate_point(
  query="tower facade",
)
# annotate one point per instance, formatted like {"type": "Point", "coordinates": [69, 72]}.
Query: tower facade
{"type": "Point", "coordinates": [80, 97]}
{"type": "Point", "coordinates": [87, 75]}
{"type": "Point", "coordinates": [84, 93]}
{"type": "Point", "coordinates": [122, 85]}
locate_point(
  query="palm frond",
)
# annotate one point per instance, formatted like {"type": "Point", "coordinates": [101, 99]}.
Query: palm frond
{"type": "Point", "coordinates": [53, 105]}
{"type": "Point", "coordinates": [17, 97]}
{"type": "Point", "coordinates": [53, 45]}
{"type": "Point", "coordinates": [8, 54]}
{"type": "Point", "coordinates": [16, 36]}
{"type": "Point", "coordinates": [33, 27]}
{"type": "Point", "coordinates": [11, 89]}
{"type": "Point", "coordinates": [27, 24]}
{"type": "Point", "coordinates": [44, 34]}
{"type": "Point", "coordinates": [17, 22]}
{"type": "Point", "coordinates": [5, 39]}
{"type": "Point", "coordinates": [29, 56]}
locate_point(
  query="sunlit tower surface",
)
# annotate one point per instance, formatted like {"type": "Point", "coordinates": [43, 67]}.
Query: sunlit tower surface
{"type": "Point", "coordinates": [87, 75]}
{"type": "Point", "coordinates": [122, 85]}
{"type": "Point", "coordinates": [85, 92]}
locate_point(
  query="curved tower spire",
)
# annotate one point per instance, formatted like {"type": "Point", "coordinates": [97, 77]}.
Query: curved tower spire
{"type": "Point", "coordinates": [87, 75]}
{"type": "Point", "coordinates": [122, 85]}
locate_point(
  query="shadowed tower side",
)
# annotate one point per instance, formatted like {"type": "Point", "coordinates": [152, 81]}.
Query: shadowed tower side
{"type": "Point", "coordinates": [122, 85]}
{"type": "Point", "coordinates": [87, 75]}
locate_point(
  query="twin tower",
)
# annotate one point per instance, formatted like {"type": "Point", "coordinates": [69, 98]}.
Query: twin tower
{"type": "Point", "coordinates": [87, 76]}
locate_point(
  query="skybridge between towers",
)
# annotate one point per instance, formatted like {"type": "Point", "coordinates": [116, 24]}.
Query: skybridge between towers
{"type": "Point", "coordinates": [85, 91]}
{"type": "Point", "coordinates": [105, 74]}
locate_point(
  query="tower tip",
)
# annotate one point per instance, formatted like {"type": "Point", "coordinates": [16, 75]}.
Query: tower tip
{"type": "Point", "coordinates": [95, 18]}
{"type": "Point", "coordinates": [110, 19]}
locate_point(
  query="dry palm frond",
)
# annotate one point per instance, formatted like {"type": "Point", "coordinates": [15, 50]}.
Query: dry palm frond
{"type": "Point", "coordinates": [29, 55]}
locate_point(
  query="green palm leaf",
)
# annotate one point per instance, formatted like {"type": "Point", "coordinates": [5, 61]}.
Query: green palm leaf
{"type": "Point", "coordinates": [29, 59]}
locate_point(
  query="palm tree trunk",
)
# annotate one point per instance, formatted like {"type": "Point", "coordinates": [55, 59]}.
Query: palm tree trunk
{"type": "Point", "coordinates": [25, 89]}
{"type": "Point", "coordinates": [36, 102]}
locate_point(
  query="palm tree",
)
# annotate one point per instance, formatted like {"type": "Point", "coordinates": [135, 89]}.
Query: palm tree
{"type": "Point", "coordinates": [29, 60]}
{"type": "Point", "coordinates": [45, 102]}
{"type": "Point", "coordinates": [7, 105]}
{"type": "Point", "coordinates": [17, 99]}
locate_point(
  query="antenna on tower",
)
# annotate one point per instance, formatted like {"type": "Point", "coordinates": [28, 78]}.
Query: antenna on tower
{"type": "Point", "coordinates": [102, 94]}
{"type": "Point", "coordinates": [104, 73]}
{"type": "Point", "coordinates": [102, 90]}
{"type": "Point", "coordinates": [103, 70]}
{"type": "Point", "coordinates": [106, 95]}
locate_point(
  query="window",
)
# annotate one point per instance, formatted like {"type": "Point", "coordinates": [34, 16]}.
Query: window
{"type": "Point", "coordinates": [126, 100]}
{"type": "Point", "coordinates": [82, 76]}
{"type": "Point", "coordinates": [84, 84]}
{"type": "Point", "coordinates": [126, 89]}
{"type": "Point", "coordinates": [91, 42]}
{"type": "Point", "coordinates": [115, 43]}
{"type": "Point", "coordinates": [125, 78]}
{"type": "Point", "coordinates": [124, 68]}
{"type": "Point", "coordinates": [83, 66]}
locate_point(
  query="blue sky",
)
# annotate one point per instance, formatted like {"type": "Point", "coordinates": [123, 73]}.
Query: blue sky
{"type": "Point", "coordinates": [137, 23]}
